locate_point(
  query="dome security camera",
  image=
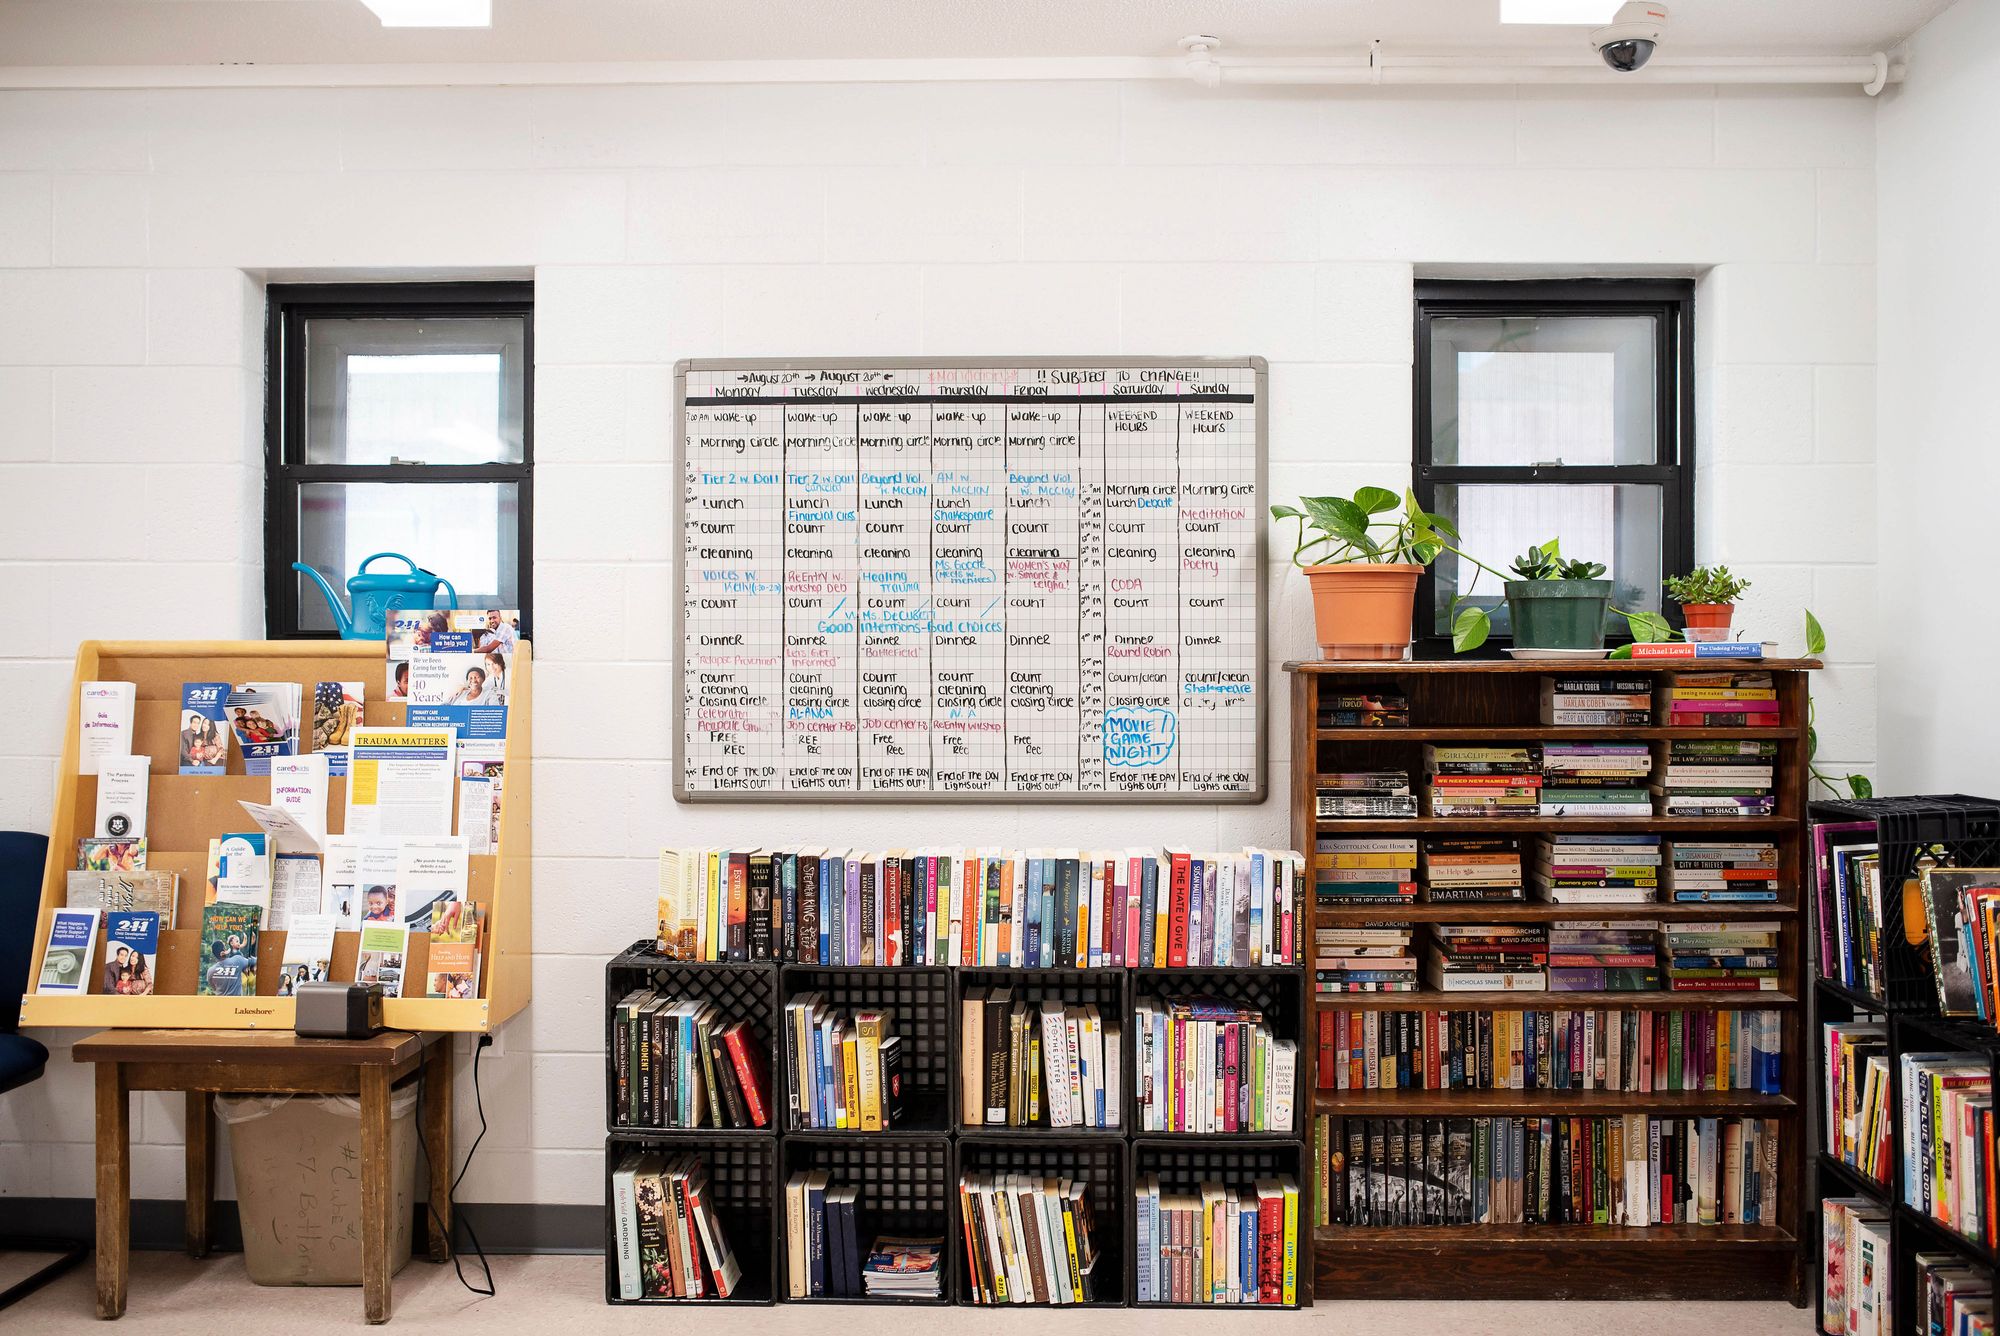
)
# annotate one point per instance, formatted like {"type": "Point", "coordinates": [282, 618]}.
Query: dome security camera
{"type": "Point", "coordinates": [1627, 42]}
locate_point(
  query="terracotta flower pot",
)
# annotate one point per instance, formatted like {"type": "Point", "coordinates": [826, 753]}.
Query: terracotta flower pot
{"type": "Point", "coordinates": [1362, 610]}
{"type": "Point", "coordinates": [1708, 616]}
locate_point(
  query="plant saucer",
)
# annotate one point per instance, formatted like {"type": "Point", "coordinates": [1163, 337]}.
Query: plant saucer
{"type": "Point", "coordinates": [1559, 654]}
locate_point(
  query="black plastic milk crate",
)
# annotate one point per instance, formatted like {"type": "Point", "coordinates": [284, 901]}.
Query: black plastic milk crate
{"type": "Point", "coordinates": [1279, 993]}
{"type": "Point", "coordinates": [1098, 1164]}
{"type": "Point", "coordinates": [742, 1180]}
{"type": "Point", "coordinates": [742, 991]}
{"type": "Point", "coordinates": [904, 1187]}
{"type": "Point", "coordinates": [1952, 829]}
{"type": "Point", "coordinates": [1103, 989]}
{"type": "Point", "coordinates": [1183, 1166]}
{"type": "Point", "coordinates": [919, 1003]}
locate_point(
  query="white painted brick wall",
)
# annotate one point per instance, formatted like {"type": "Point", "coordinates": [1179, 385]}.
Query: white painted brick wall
{"type": "Point", "coordinates": [136, 229]}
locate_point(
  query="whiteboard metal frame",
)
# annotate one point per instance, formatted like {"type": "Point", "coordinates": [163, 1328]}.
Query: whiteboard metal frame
{"type": "Point", "coordinates": [683, 794]}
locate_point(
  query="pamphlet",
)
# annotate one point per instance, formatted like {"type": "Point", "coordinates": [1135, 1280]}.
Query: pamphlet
{"type": "Point", "coordinates": [104, 723]}
{"type": "Point", "coordinates": [384, 952]}
{"type": "Point", "coordinates": [400, 782]}
{"type": "Point", "coordinates": [228, 950]}
{"type": "Point", "coordinates": [456, 657]}
{"type": "Point", "coordinates": [281, 826]}
{"type": "Point", "coordinates": [125, 891]}
{"type": "Point", "coordinates": [67, 955]}
{"type": "Point", "coordinates": [239, 871]}
{"type": "Point", "coordinates": [429, 873]}
{"type": "Point", "coordinates": [360, 881]}
{"type": "Point", "coordinates": [121, 796]}
{"type": "Point", "coordinates": [105, 855]}
{"type": "Point", "coordinates": [454, 959]}
{"type": "Point", "coordinates": [295, 888]}
{"type": "Point", "coordinates": [308, 952]}
{"type": "Point", "coordinates": [131, 952]}
{"type": "Point", "coordinates": [298, 784]}
{"type": "Point", "coordinates": [265, 719]}
{"type": "Point", "coordinates": [336, 714]}
{"type": "Point", "coordinates": [478, 813]}
{"type": "Point", "coordinates": [204, 746]}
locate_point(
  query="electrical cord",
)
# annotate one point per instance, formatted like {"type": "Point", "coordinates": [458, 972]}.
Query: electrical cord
{"type": "Point", "coordinates": [458, 1216]}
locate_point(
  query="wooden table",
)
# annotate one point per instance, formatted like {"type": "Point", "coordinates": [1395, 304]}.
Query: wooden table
{"type": "Point", "coordinates": [204, 1063]}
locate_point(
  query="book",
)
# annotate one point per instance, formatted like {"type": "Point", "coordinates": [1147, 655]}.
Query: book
{"type": "Point", "coordinates": [1709, 649]}
{"type": "Point", "coordinates": [121, 797]}
{"type": "Point", "coordinates": [67, 952]}
{"type": "Point", "coordinates": [204, 731]}
{"type": "Point", "coordinates": [384, 954]}
{"type": "Point", "coordinates": [227, 966]}
{"type": "Point", "coordinates": [104, 723]}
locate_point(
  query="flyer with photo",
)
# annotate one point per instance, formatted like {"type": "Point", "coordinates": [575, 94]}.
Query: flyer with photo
{"type": "Point", "coordinates": [336, 714]}
{"type": "Point", "coordinates": [204, 734]}
{"type": "Point", "coordinates": [131, 952]}
{"type": "Point", "coordinates": [430, 873]}
{"type": "Point", "coordinates": [385, 951]}
{"type": "Point", "coordinates": [308, 952]}
{"type": "Point", "coordinates": [265, 718]}
{"type": "Point", "coordinates": [66, 956]}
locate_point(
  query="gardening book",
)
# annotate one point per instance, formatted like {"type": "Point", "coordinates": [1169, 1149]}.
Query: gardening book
{"type": "Point", "coordinates": [68, 952]}
{"type": "Point", "coordinates": [131, 952]}
{"type": "Point", "coordinates": [204, 739]}
{"type": "Point", "coordinates": [228, 966]}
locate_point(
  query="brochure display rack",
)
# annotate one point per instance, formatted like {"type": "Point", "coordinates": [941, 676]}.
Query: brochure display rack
{"type": "Point", "coordinates": [186, 811]}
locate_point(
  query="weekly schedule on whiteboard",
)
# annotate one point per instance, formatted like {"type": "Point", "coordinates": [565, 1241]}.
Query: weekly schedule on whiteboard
{"type": "Point", "coordinates": [1032, 579]}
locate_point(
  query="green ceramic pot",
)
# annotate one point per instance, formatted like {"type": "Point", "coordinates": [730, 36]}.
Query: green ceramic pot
{"type": "Point", "coordinates": [1558, 614]}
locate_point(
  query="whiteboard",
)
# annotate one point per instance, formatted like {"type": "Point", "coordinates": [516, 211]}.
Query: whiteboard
{"type": "Point", "coordinates": [1024, 579]}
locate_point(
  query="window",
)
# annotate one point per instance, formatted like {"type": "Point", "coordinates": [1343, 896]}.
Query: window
{"type": "Point", "coordinates": [1555, 410]}
{"type": "Point", "coordinates": [398, 419]}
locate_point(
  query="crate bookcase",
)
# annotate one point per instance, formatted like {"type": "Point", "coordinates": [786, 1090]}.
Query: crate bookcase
{"type": "Point", "coordinates": [1480, 702]}
{"type": "Point", "coordinates": [183, 812]}
{"type": "Point", "coordinates": [908, 1175]}
{"type": "Point", "coordinates": [1953, 830]}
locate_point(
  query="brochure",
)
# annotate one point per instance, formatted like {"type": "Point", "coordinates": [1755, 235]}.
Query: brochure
{"type": "Point", "coordinates": [453, 970]}
{"type": "Point", "coordinates": [456, 657]}
{"type": "Point", "coordinates": [239, 870]}
{"type": "Point", "coordinates": [429, 873]}
{"type": "Point", "coordinates": [104, 855]}
{"type": "Point", "coordinates": [280, 826]}
{"type": "Point", "coordinates": [308, 952]}
{"type": "Point", "coordinates": [295, 888]}
{"type": "Point", "coordinates": [228, 950]}
{"type": "Point", "coordinates": [384, 951]}
{"type": "Point", "coordinates": [400, 782]}
{"type": "Point", "coordinates": [265, 718]}
{"type": "Point", "coordinates": [204, 744]}
{"type": "Point", "coordinates": [121, 796]}
{"type": "Point", "coordinates": [67, 955]}
{"type": "Point", "coordinates": [125, 891]}
{"type": "Point", "coordinates": [104, 724]}
{"type": "Point", "coordinates": [298, 785]}
{"type": "Point", "coordinates": [131, 952]}
{"type": "Point", "coordinates": [479, 812]}
{"type": "Point", "coordinates": [336, 714]}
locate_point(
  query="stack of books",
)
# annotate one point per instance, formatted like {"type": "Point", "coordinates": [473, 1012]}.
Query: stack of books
{"type": "Point", "coordinates": [1724, 870]}
{"type": "Point", "coordinates": [1028, 1240]}
{"type": "Point", "coordinates": [1365, 707]}
{"type": "Point", "coordinates": [671, 1244]}
{"type": "Point", "coordinates": [1598, 869]}
{"type": "Point", "coordinates": [1854, 1281]}
{"type": "Point", "coordinates": [1597, 701]}
{"type": "Point", "coordinates": [1366, 794]}
{"type": "Point", "coordinates": [847, 1068]}
{"type": "Point", "coordinates": [1595, 779]}
{"type": "Point", "coordinates": [1603, 957]}
{"type": "Point", "coordinates": [904, 1269]}
{"type": "Point", "coordinates": [1477, 958]}
{"type": "Point", "coordinates": [680, 1063]}
{"type": "Point", "coordinates": [1854, 1059]}
{"type": "Point", "coordinates": [1623, 1169]}
{"type": "Point", "coordinates": [1036, 1064]}
{"type": "Point", "coordinates": [1209, 1065]}
{"type": "Point", "coordinates": [1962, 926]}
{"type": "Point", "coordinates": [1722, 700]}
{"type": "Point", "coordinates": [1364, 958]}
{"type": "Point", "coordinates": [1457, 868]}
{"type": "Point", "coordinates": [1483, 781]}
{"type": "Point", "coordinates": [1948, 1146]}
{"type": "Point", "coordinates": [1720, 956]}
{"type": "Point", "coordinates": [1364, 871]}
{"type": "Point", "coordinates": [822, 1256]}
{"type": "Point", "coordinates": [1719, 778]}
{"type": "Point", "coordinates": [1561, 1049]}
{"type": "Point", "coordinates": [1218, 1244]}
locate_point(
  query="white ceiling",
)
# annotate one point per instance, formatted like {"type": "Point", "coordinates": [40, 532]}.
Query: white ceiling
{"type": "Point", "coordinates": [205, 32]}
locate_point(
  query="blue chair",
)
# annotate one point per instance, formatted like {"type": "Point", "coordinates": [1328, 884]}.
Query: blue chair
{"type": "Point", "coordinates": [22, 1060]}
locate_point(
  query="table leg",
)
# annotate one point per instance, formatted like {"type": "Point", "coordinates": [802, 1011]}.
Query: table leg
{"type": "Point", "coordinates": [377, 1196]}
{"type": "Point", "coordinates": [436, 1133]}
{"type": "Point", "coordinates": [114, 1188]}
{"type": "Point", "coordinates": [200, 1170]}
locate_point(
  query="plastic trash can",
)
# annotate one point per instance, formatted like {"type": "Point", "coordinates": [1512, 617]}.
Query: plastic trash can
{"type": "Point", "coordinates": [298, 1184]}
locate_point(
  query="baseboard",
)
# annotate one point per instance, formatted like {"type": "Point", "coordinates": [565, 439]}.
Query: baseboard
{"type": "Point", "coordinates": [158, 1226]}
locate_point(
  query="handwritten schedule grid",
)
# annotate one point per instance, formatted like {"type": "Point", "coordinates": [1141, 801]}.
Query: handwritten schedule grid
{"type": "Point", "coordinates": [1004, 581]}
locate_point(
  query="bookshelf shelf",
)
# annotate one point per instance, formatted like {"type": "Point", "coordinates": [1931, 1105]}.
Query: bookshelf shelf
{"type": "Point", "coordinates": [1938, 1231]}
{"type": "Point", "coordinates": [1851, 1180]}
{"type": "Point", "coordinates": [1481, 702]}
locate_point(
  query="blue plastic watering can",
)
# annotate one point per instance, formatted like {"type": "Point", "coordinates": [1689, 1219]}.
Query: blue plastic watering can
{"type": "Point", "coordinates": [376, 597]}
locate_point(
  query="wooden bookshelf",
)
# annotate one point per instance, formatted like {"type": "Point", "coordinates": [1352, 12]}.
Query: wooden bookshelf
{"type": "Point", "coordinates": [183, 812]}
{"type": "Point", "coordinates": [1474, 702]}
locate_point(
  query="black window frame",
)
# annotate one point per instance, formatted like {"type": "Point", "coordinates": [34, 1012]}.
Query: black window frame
{"type": "Point", "coordinates": [1671, 303]}
{"type": "Point", "coordinates": [288, 307]}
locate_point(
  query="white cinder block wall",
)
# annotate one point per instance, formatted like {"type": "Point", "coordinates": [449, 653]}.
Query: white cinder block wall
{"type": "Point", "coordinates": [136, 230]}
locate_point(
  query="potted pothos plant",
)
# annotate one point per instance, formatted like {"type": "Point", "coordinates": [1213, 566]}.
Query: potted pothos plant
{"type": "Point", "coordinates": [1362, 559]}
{"type": "Point", "coordinates": [1707, 595]}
